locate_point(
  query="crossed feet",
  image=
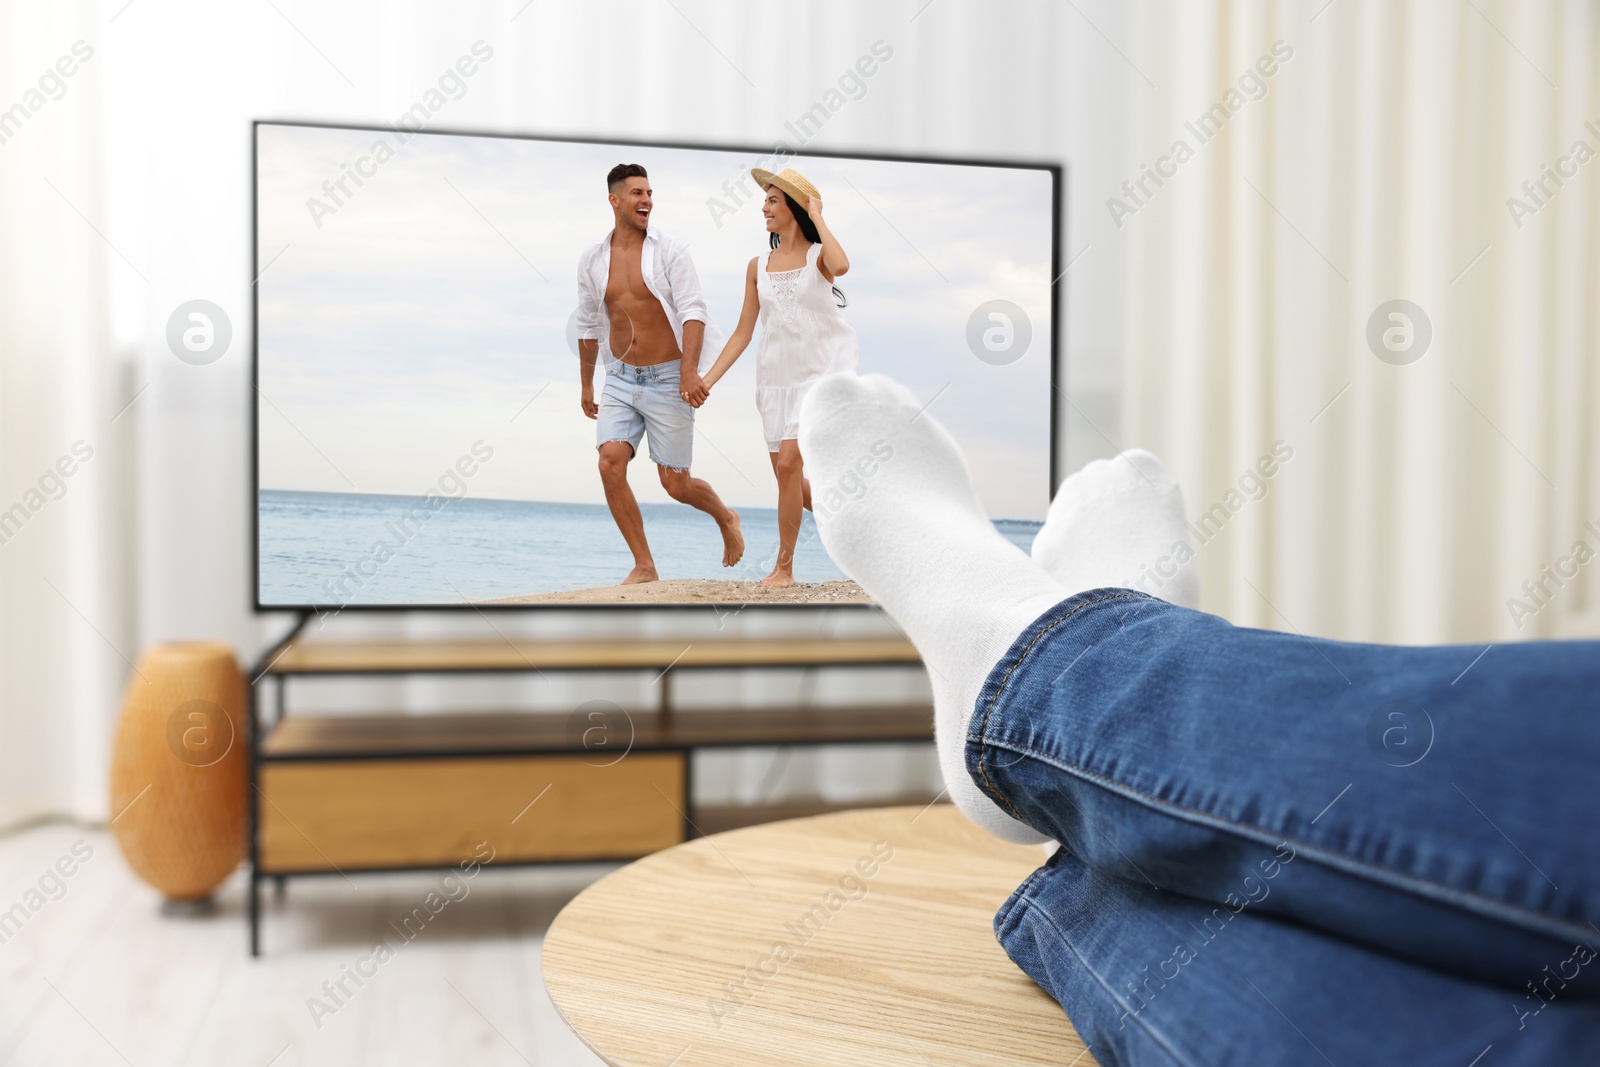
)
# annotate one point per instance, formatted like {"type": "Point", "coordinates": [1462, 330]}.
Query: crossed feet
{"type": "Point", "coordinates": [919, 542]}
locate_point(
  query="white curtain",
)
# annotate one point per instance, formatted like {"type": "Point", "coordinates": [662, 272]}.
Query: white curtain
{"type": "Point", "coordinates": [66, 457]}
{"type": "Point", "coordinates": [1377, 162]}
{"type": "Point", "coordinates": [150, 144]}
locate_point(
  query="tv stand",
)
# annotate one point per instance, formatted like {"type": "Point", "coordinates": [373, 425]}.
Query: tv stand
{"type": "Point", "coordinates": [388, 791]}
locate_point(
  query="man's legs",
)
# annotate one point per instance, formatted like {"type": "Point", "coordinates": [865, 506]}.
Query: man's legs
{"type": "Point", "coordinates": [1185, 751]}
{"type": "Point", "coordinates": [614, 458]}
{"type": "Point", "coordinates": [697, 493]}
{"type": "Point", "coordinates": [1432, 803]}
{"type": "Point", "coordinates": [669, 421]}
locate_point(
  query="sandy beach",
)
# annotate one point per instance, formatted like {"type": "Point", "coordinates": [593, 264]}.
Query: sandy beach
{"type": "Point", "coordinates": [702, 591]}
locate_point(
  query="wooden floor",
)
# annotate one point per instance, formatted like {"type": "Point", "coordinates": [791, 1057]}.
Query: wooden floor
{"type": "Point", "coordinates": [98, 976]}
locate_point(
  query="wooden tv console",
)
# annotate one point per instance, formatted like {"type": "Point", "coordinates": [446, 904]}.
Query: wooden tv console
{"type": "Point", "coordinates": [333, 794]}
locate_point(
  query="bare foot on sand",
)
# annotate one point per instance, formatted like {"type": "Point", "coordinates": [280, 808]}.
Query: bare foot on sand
{"type": "Point", "coordinates": [732, 539]}
{"type": "Point", "coordinates": [778, 579]}
{"type": "Point", "coordinates": [641, 574]}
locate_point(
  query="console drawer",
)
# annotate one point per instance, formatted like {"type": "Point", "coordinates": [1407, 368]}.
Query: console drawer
{"type": "Point", "coordinates": [321, 815]}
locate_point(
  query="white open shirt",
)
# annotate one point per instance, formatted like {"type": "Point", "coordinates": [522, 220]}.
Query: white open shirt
{"type": "Point", "coordinates": [669, 274]}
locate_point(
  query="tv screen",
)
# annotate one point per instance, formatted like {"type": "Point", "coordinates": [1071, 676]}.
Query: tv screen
{"type": "Point", "coordinates": [426, 303]}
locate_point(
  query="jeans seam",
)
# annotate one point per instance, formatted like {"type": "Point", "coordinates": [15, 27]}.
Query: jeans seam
{"type": "Point", "coordinates": [983, 731]}
{"type": "Point", "coordinates": [1155, 1035]}
{"type": "Point", "coordinates": [1336, 860]}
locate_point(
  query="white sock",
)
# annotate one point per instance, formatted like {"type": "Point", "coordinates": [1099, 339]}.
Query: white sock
{"type": "Point", "coordinates": [896, 509]}
{"type": "Point", "coordinates": [1119, 522]}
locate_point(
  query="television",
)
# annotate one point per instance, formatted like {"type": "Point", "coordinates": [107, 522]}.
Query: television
{"type": "Point", "coordinates": [421, 439]}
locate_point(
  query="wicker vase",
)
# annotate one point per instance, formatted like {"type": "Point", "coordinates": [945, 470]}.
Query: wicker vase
{"type": "Point", "coordinates": [179, 776]}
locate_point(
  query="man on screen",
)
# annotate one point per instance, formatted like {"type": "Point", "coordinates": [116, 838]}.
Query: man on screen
{"type": "Point", "coordinates": [639, 294]}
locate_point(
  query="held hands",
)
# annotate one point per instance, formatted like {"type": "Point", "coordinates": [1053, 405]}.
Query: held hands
{"type": "Point", "coordinates": [694, 389]}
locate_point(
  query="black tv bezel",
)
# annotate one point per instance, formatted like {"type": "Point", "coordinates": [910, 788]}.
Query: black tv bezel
{"type": "Point", "coordinates": [1056, 170]}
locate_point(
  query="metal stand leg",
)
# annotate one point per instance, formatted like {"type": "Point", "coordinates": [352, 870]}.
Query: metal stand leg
{"type": "Point", "coordinates": [690, 830]}
{"type": "Point", "coordinates": [255, 913]}
{"type": "Point", "coordinates": [280, 886]}
{"type": "Point", "coordinates": [254, 712]}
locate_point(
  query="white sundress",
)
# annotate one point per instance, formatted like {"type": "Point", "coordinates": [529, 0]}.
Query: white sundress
{"type": "Point", "coordinates": [803, 337]}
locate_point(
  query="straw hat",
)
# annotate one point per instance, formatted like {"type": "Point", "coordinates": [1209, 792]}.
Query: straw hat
{"type": "Point", "coordinates": [790, 181]}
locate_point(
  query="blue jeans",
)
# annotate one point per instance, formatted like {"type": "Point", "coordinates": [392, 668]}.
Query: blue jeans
{"type": "Point", "coordinates": [1284, 850]}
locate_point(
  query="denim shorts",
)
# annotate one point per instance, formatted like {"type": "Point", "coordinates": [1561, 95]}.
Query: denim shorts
{"type": "Point", "coordinates": [636, 400]}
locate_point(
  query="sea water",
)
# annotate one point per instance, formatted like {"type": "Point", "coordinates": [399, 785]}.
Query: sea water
{"type": "Point", "coordinates": [360, 548]}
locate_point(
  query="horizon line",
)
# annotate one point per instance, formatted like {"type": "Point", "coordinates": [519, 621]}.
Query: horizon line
{"type": "Point", "coordinates": [509, 500]}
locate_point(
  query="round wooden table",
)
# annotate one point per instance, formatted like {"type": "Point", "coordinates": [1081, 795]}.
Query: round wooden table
{"type": "Point", "coordinates": [858, 937]}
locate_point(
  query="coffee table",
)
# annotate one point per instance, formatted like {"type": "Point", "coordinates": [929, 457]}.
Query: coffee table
{"type": "Point", "coordinates": [862, 936]}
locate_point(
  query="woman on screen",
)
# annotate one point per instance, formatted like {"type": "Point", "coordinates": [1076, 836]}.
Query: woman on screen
{"type": "Point", "coordinates": [803, 337]}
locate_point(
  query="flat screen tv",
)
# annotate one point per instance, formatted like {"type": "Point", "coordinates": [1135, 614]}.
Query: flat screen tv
{"type": "Point", "coordinates": [421, 435]}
